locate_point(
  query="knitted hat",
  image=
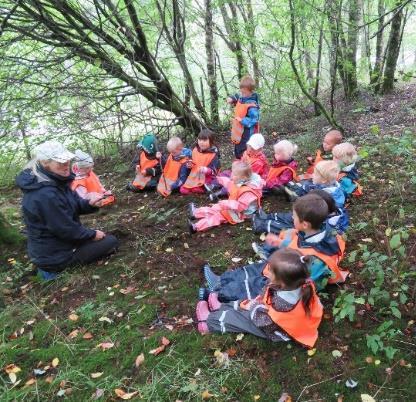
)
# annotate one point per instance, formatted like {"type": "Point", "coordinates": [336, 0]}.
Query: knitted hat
{"type": "Point", "coordinates": [148, 143]}
{"type": "Point", "coordinates": [83, 159]}
{"type": "Point", "coordinates": [53, 150]}
{"type": "Point", "coordinates": [256, 141]}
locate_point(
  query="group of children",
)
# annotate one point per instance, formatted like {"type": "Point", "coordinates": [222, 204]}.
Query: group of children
{"type": "Point", "coordinates": [276, 298]}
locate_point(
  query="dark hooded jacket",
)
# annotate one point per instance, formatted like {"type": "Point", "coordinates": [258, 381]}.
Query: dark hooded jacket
{"type": "Point", "coordinates": [51, 213]}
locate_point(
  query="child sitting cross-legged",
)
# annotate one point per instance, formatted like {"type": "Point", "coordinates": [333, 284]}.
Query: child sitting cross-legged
{"type": "Point", "coordinates": [337, 219]}
{"type": "Point", "coordinates": [324, 178]}
{"type": "Point", "coordinates": [288, 307]}
{"type": "Point", "coordinates": [148, 165]}
{"type": "Point", "coordinates": [175, 170]}
{"type": "Point", "coordinates": [346, 156]}
{"type": "Point", "coordinates": [245, 191]}
{"type": "Point", "coordinates": [86, 182]}
{"type": "Point", "coordinates": [283, 169]}
{"type": "Point", "coordinates": [204, 164]}
{"type": "Point", "coordinates": [309, 237]}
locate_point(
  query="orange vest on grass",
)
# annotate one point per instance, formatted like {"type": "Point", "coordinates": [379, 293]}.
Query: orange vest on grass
{"type": "Point", "coordinates": [93, 185]}
{"type": "Point", "coordinates": [141, 180]}
{"type": "Point", "coordinates": [235, 192]}
{"type": "Point", "coordinates": [170, 175]}
{"type": "Point", "coordinates": [199, 159]}
{"type": "Point", "coordinates": [237, 128]}
{"type": "Point", "coordinates": [296, 323]}
{"type": "Point", "coordinates": [332, 261]}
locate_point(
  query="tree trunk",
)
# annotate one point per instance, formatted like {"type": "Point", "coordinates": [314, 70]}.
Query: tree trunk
{"type": "Point", "coordinates": [393, 46]}
{"type": "Point", "coordinates": [211, 70]}
{"type": "Point", "coordinates": [351, 54]}
{"type": "Point", "coordinates": [318, 68]}
{"type": "Point", "coordinates": [252, 40]}
{"type": "Point", "coordinates": [376, 71]}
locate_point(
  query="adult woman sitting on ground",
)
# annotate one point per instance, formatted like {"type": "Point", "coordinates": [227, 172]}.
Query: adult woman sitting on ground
{"type": "Point", "coordinates": [56, 238]}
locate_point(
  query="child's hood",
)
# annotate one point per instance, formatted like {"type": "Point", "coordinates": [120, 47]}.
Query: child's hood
{"type": "Point", "coordinates": [324, 241]}
{"type": "Point", "coordinates": [185, 153]}
{"type": "Point", "coordinates": [351, 171]}
{"type": "Point", "coordinates": [253, 98]}
{"type": "Point", "coordinates": [290, 162]}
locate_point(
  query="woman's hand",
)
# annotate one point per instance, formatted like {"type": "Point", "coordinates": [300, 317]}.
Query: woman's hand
{"type": "Point", "coordinates": [99, 235]}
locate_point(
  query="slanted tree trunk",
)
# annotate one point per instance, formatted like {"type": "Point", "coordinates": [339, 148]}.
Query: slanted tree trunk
{"type": "Point", "coordinates": [232, 36]}
{"type": "Point", "coordinates": [211, 70]}
{"type": "Point", "coordinates": [318, 69]}
{"type": "Point", "coordinates": [393, 49]}
{"type": "Point", "coordinates": [352, 44]}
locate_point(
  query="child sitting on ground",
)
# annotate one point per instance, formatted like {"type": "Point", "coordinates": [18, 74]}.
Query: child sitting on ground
{"type": "Point", "coordinates": [253, 156]}
{"type": "Point", "coordinates": [175, 169]}
{"type": "Point", "coordinates": [246, 115]}
{"type": "Point", "coordinates": [346, 156]}
{"type": "Point", "coordinates": [204, 165]}
{"type": "Point", "coordinates": [245, 190]}
{"type": "Point", "coordinates": [148, 167]}
{"type": "Point", "coordinates": [309, 237]}
{"type": "Point", "coordinates": [332, 138]}
{"type": "Point", "coordinates": [288, 307]}
{"type": "Point", "coordinates": [324, 178]}
{"type": "Point", "coordinates": [337, 219]}
{"type": "Point", "coordinates": [86, 182]}
{"type": "Point", "coordinates": [283, 169]}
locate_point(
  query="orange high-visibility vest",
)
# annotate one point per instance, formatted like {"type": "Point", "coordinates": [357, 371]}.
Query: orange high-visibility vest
{"type": "Point", "coordinates": [141, 180]}
{"type": "Point", "coordinates": [358, 192]}
{"type": "Point", "coordinates": [296, 323]}
{"type": "Point", "coordinates": [237, 128]}
{"type": "Point", "coordinates": [169, 175]}
{"type": "Point", "coordinates": [93, 185]}
{"type": "Point", "coordinates": [332, 261]}
{"type": "Point", "coordinates": [199, 159]}
{"type": "Point", "coordinates": [318, 158]}
{"type": "Point", "coordinates": [235, 192]}
{"type": "Point", "coordinates": [277, 171]}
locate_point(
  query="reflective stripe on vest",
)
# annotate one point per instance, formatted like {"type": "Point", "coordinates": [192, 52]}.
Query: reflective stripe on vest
{"type": "Point", "coordinates": [331, 261]}
{"type": "Point", "coordinates": [318, 158]}
{"type": "Point", "coordinates": [235, 192]}
{"type": "Point", "coordinates": [277, 171]}
{"type": "Point", "coordinates": [301, 327]}
{"type": "Point", "coordinates": [91, 183]}
{"type": "Point", "coordinates": [199, 159]}
{"type": "Point", "coordinates": [237, 128]}
{"type": "Point", "coordinates": [141, 180]}
{"type": "Point", "coordinates": [170, 175]}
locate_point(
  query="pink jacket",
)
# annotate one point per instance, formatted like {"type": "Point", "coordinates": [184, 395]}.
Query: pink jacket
{"type": "Point", "coordinates": [286, 175]}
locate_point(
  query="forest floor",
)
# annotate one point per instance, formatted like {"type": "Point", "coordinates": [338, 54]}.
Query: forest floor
{"type": "Point", "coordinates": [92, 333]}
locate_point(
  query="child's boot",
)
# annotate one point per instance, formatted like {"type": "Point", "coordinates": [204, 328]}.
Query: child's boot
{"type": "Point", "coordinates": [259, 251]}
{"type": "Point", "coordinates": [213, 303]}
{"type": "Point", "coordinates": [191, 227]}
{"type": "Point", "coordinates": [212, 279]}
{"type": "Point", "coordinates": [191, 210]}
{"type": "Point", "coordinates": [202, 313]}
{"type": "Point", "coordinates": [214, 197]}
{"type": "Point", "coordinates": [203, 294]}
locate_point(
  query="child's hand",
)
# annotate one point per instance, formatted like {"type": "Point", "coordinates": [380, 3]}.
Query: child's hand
{"type": "Point", "coordinates": [189, 164]}
{"type": "Point", "coordinates": [108, 192]}
{"type": "Point", "coordinates": [138, 169]}
{"type": "Point", "coordinates": [273, 240]}
{"type": "Point", "coordinates": [143, 172]}
{"type": "Point", "coordinates": [230, 101]}
{"type": "Point", "coordinates": [158, 155]}
{"type": "Point", "coordinates": [238, 118]}
{"type": "Point", "coordinates": [310, 160]}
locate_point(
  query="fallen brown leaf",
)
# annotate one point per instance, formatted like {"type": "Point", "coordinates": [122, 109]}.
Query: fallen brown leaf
{"type": "Point", "coordinates": [125, 395]}
{"type": "Point", "coordinates": [73, 317]}
{"type": "Point", "coordinates": [12, 368]}
{"type": "Point", "coordinates": [88, 335]}
{"type": "Point", "coordinates": [105, 345]}
{"type": "Point", "coordinates": [139, 360]}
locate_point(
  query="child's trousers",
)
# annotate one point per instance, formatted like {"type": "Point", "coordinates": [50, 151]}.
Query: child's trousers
{"type": "Point", "coordinates": [242, 283]}
{"type": "Point", "coordinates": [230, 318]}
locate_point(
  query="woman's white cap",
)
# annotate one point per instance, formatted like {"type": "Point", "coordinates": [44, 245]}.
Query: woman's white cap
{"type": "Point", "coordinates": [256, 141]}
{"type": "Point", "coordinates": [53, 150]}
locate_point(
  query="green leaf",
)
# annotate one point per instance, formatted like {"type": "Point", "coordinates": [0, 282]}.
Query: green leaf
{"type": "Point", "coordinates": [395, 241]}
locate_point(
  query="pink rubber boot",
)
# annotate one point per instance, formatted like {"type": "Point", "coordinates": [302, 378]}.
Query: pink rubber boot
{"type": "Point", "coordinates": [213, 303]}
{"type": "Point", "coordinates": [202, 313]}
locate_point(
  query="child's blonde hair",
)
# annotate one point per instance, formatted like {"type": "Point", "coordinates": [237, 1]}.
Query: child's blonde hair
{"type": "Point", "coordinates": [173, 143]}
{"type": "Point", "coordinates": [285, 148]}
{"type": "Point", "coordinates": [326, 172]}
{"type": "Point", "coordinates": [345, 152]}
{"type": "Point", "coordinates": [248, 82]}
{"type": "Point", "coordinates": [242, 170]}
